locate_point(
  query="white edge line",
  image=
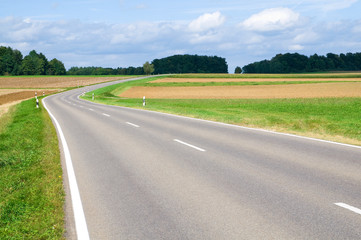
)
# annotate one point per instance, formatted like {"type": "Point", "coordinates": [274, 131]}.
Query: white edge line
{"type": "Point", "coordinates": [232, 125]}
{"type": "Point", "coordinates": [349, 207]}
{"type": "Point", "coordinates": [80, 222]}
{"type": "Point", "coordinates": [189, 145]}
{"type": "Point", "coordinates": [132, 124]}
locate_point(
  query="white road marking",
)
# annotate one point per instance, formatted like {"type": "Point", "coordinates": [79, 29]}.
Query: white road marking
{"type": "Point", "coordinates": [80, 222]}
{"type": "Point", "coordinates": [189, 145]}
{"type": "Point", "coordinates": [349, 207]}
{"type": "Point", "coordinates": [91, 109]}
{"type": "Point", "coordinates": [237, 126]}
{"type": "Point", "coordinates": [107, 115]}
{"type": "Point", "coordinates": [132, 124]}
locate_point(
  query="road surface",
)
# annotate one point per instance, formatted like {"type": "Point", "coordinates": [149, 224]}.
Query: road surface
{"type": "Point", "coordinates": [147, 175]}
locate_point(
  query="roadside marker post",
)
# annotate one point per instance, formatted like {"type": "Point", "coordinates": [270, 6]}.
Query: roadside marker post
{"type": "Point", "coordinates": [37, 103]}
{"type": "Point", "coordinates": [93, 97]}
{"type": "Point", "coordinates": [144, 101]}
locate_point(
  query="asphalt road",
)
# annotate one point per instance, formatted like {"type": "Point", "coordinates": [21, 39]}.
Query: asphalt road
{"type": "Point", "coordinates": [147, 175]}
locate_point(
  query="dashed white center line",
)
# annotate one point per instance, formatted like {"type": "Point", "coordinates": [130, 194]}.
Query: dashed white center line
{"type": "Point", "coordinates": [189, 145]}
{"type": "Point", "coordinates": [91, 109]}
{"type": "Point", "coordinates": [132, 124]}
{"type": "Point", "coordinates": [107, 115]}
{"type": "Point", "coordinates": [349, 207]}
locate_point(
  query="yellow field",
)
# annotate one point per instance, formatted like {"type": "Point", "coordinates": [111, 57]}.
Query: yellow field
{"type": "Point", "coordinates": [315, 90]}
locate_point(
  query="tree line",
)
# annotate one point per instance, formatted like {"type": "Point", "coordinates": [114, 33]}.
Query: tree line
{"type": "Point", "coordinates": [105, 71]}
{"type": "Point", "coordinates": [190, 64]}
{"type": "Point", "coordinates": [297, 63]}
{"type": "Point", "coordinates": [13, 63]}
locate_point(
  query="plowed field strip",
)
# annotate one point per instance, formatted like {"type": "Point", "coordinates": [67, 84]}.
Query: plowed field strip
{"type": "Point", "coordinates": [317, 90]}
{"type": "Point", "coordinates": [20, 95]}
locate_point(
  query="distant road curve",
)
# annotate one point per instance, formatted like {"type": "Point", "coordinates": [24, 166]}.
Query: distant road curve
{"type": "Point", "coordinates": [148, 175]}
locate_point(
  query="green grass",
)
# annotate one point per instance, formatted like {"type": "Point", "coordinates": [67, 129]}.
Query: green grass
{"type": "Point", "coordinates": [336, 119]}
{"type": "Point", "coordinates": [31, 190]}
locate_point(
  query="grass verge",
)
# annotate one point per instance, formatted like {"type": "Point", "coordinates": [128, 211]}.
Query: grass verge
{"type": "Point", "coordinates": [31, 190]}
{"type": "Point", "coordinates": [335, 119]}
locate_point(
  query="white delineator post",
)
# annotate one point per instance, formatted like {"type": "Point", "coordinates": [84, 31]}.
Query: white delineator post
{"type": "Point", "coordinates": [144, 101]}
{"type": "Point", "coordinates": [93, 97]}
{"type": "Point", "coordinates": [37, 101]}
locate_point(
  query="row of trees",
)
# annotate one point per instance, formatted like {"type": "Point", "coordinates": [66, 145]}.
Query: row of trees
{"type": "Point", "coordinates": [297, 63]}
{"type": "Point", "coordinates": [190, 64]}
{"type": "Point", "coordinates": [105, 71]}
{"type": "Point", "coordinates": [13, 63]}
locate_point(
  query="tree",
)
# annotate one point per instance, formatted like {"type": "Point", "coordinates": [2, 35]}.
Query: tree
{"type": "Point", "coordinates": [56, 67]}
{"type": "Point", "coordinates": [34, 64]}
{"type": "Point", "coordinates": [148, 68]}
{"type": "Point", "coordinates": [238, 70]}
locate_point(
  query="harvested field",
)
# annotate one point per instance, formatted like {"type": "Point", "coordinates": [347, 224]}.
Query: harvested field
{"type": "Point", "coordinates": [11, 95]}
{"type": "Point", "coordinates": [317, 90]}
{"type": "Point", "coordinates": [205, 80]}
{"type": "Point", "coordinates": [52, 82]}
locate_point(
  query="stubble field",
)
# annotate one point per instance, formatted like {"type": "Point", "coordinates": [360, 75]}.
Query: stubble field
{"type": "Point", "coordinates": [317, 90]}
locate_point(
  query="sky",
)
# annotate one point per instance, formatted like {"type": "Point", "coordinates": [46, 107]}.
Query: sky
{"type": "Point", "coordinates": [123, 33]}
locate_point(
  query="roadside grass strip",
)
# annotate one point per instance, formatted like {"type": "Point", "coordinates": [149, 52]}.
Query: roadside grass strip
{"type": "Point", "coordinates": [31, 189]}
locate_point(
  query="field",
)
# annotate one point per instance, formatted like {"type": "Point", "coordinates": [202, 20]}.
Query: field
{"type": "Point", "coordinates": [325, 106]}
{"type": "Point", "coordinates": [316, 90]}
{"type": "Point", "coordinates": [53, 81]}
{"type": "Point", "coordinates": [245, 79]}
{"type": "Point", "coordinates": [14, 89]}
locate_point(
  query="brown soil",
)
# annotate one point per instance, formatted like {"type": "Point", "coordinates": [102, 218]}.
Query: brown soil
{"type": "Point", "coordinates": [18, 94]}
{"type": "Point", "coordinates": [316, 90]}
{"type": "Point", "coordinates": [52, 82]}
{"type": "Point", "coordinates": [205, 80]}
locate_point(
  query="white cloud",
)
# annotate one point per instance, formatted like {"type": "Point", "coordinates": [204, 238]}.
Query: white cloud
{"type": "Point", "coordinates": [206, 22]}
{"type": "Point", "coordinates": [272, 20]}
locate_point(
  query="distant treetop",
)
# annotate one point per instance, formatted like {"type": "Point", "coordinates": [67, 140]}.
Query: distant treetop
{"type": "Point", "coordinates": [190, 64]}
{"type": "Point", "coordinates": [297, 63]}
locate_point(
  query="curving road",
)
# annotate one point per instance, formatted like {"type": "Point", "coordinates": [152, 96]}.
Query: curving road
{"type": "Point", "coordinates": [147, 175]}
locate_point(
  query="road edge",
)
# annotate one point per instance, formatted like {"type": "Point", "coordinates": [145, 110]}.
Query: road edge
{"type": "Point", "coordinates": [79, 217]}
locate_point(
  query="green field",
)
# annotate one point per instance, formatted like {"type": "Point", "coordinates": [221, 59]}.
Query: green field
{"type": "Point", "coordinates": [335, 119]}
{"type": "Point", "coordinates": [31, 189]}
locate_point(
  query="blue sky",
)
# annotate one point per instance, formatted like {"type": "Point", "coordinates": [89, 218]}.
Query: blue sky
{"type": "Point", "coordinates": [122, 33]}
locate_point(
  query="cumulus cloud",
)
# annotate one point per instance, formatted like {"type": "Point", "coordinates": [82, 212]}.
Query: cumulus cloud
{"type": "Point", "coordinates": [272, 20]}
{"type": "Point", "coordinates": [206, 22]}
